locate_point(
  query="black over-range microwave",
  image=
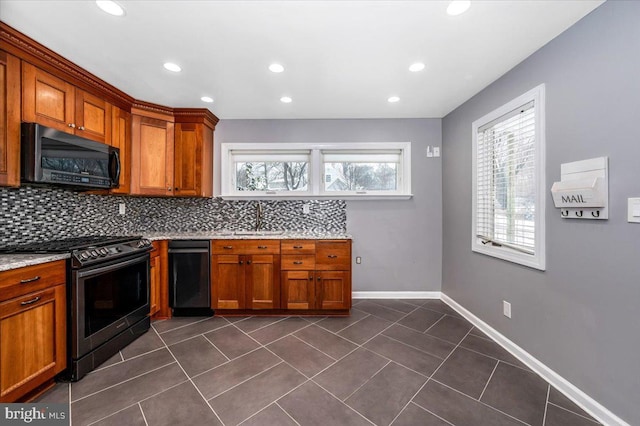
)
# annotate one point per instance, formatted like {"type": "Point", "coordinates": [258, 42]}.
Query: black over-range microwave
{"type": "Point", "coordinates": [49, 156]}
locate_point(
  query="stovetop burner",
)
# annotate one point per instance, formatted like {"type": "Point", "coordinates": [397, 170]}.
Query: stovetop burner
{"type": "Point", "coordinates": [68, 244]}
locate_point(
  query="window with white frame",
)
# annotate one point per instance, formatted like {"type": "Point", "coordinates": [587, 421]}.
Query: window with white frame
{"type": "Point", "coordinates": [296, 170]}
{"type": "Point", "coordinates": [508, 181]}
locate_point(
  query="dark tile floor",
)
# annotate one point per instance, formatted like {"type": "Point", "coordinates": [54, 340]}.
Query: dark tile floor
{"type": "Point", "coordinates": [399, 362]}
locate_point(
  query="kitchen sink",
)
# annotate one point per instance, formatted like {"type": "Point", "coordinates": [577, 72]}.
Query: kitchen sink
{"type": "Point", "coordinates": [264, 233]}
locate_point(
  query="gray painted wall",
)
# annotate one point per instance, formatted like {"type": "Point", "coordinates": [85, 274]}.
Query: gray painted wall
{"type": "Point", "coordinates": [581, 316]}
{"type": "Point", "coordinates": [400, 241]}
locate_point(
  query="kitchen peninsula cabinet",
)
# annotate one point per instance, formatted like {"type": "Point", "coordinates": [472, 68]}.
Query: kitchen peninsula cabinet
{"type": "Point", "coordinates": [32, 328]}
{"type": "Point", "coordinates": [9, 120]}
{"type": "Point", "coordinates": [53, 102]}
{"type": "Point", "coordinates": [152, 153]}
{"type": "Point", "coordinates": [316, 275]}
{"type": "Point", "coordinates": [245, 274]}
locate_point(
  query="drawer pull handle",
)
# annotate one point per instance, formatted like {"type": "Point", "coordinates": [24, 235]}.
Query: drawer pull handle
{"type": "Point", "coordinates": [297, 262]}
{"type": "Point", "coordinates": [262, 247]}
{"type": "Point", "coordinates": [332, 256]}
{"type": "Point", "coordinates": [29, 302]}
{"type": "Point", "coordinates": [297, 247]}
{"type": "Point", "coordinates": [30, 280]}
{"type": "Point", "coordinates": [227, 247]}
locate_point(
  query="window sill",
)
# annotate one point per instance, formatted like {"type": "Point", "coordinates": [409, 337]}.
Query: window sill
{"type": "Point", "coordinates": [316, 197]}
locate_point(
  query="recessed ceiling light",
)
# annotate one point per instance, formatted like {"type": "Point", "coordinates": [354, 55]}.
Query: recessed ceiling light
{"type": "Point", "coordinates": [457, 7]}
{"type": "Point", "coordinates": [393, 99]}
{"type": "Point", "coordinates": [172, 67]}
{"type": "Point", "coordinates": [206, 99]}
{"type": "Point", "coordinates": [276, 68]}
{"type": "Point", "coordinates": [111, 7]}
{"type": "Point", "coordinates": [286, 99]}
{"type": "Point", "coordinates": [418, 66]}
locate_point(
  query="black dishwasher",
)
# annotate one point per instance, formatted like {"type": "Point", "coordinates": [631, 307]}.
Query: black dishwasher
{"type": "Point", "coordinates": [189, 282]}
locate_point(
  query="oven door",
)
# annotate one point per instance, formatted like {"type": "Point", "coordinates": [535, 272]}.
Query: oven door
{"type": "Point", "coordinates": [106, 300]}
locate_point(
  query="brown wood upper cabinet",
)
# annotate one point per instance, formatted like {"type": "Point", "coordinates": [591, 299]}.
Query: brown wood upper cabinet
{"type": "Point", "coordinates": [53, 102]}
{"type": "Point", "coordinates": [33, 341]}
{"type": "Point", "coordinates": [172, 152]}
{"type": "Point", "coordinates": [9, 120]}
{"type": "Point", "coordinates": [121, 139]}
{"type": "Point", "coordinates": [151, 153]}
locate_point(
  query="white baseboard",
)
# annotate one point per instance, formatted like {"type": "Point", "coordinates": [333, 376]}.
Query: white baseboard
{"type": "Point", "coordinates": [583, 400]}
{"type": "Point", "coordinates": [395, 295]}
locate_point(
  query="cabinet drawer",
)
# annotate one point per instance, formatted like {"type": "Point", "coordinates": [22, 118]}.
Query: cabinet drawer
{"type": "Point", "coordinates": [28, 301]}
{"type": "Point", "coordinates": [292, 262]}
{"type": "Point", "coordinates": [261, 247]}
{"type": "Point", "coordinates": [227, 246]}
{"type": "Point", "coordinates": [333, 255]}
{"type": "Point", "coordinates": [298, 247]}
{"type": "Point", "coordinates": [17, 282]}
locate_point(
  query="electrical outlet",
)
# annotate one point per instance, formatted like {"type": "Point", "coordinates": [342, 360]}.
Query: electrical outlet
{"type": "Point", "coordinates": [306, 209]}
{"type": "Point", "coordinates": [436, 151]}
{"type": "Point", "coordinates": [506, 309]}
{"type": "Point", "coordinates": [358, 260]}
{"type": "Point", "coordinates": [122, 208]}
{"type": "Point", "coordinates": [429, 152]}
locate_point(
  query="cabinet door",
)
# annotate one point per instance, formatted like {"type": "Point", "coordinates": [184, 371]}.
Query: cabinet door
{"type": "Point", "coordinates": [263, 282]}
{"type": "Point", "coordinates": [121, 139]}
{"type": "Point", "coordinates": [9, 120]}
{"type": "Point", "coordinates": [227, 282]}
{"type": "Point", "coordinates": [298, 290]}
{"type": "Point", "coordinates": [32, 341]}
{"type": "Point", "coordinates": [47, 100]}
{"type": "Point", "coordinates": [154, 284]}
{"type": "Point", "coordinates": [188, 164]}
{"type": "Point", "coordinates": [151, 156]}
{"type": "Point", "coordinates": [92, 117]}
{"type": "Point", "coordinates": [333, 290]}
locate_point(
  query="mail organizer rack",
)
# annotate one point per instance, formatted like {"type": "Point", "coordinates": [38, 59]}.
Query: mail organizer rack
{"type": "Point", "coordinates": [583, 190]}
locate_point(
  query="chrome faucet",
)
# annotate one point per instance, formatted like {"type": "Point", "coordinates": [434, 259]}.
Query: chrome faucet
{"type": "Point", "coordinates": [259, 211]}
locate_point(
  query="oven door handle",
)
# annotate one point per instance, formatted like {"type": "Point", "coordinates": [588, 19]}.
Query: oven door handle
{"type": "Point", "coordinates": [119, 265]}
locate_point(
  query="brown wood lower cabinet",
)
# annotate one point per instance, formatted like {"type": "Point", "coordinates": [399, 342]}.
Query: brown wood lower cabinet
{"type": "Point", "coordinates": [33, 341]}
{"type": "Point", "coordinates": [158, 280]}
{"type": "Point", "coordinates": [316, 275]}
{"type": "Point", "coordinates": [245, 274]}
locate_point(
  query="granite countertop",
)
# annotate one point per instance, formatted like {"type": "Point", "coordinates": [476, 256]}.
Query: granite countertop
{"type": "Point", "coordinates": [229, 235]}
{"type": "Point", "coordinates": [15, 261]}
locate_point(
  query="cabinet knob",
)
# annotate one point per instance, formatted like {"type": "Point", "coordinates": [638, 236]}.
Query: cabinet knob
{"type": "Point", "coordinates": [297, 247]}
{"type": "Point", "coordinates": [169, 189]}
{"type": "Point", "coordinates": [297, 262]}
{"type": "Point", "coordinates": [248, 262]}
{"type": "Point", "coordinates": [81, 128]}
{"type": "Point", "coordinates": [241, 262]}
{"type": "Point", "coordinates": [332, 256]}
{"type": "Point", "coordinates": [227, 247]}
{"type": "Point", "coordinates": [73, 126]}
{"type": "Point", "coordinates": [310, 277]}
{"type": "Point", "coordinates": [262, 247]}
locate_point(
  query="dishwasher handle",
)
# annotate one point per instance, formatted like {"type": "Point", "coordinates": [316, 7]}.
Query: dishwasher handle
{"type": "Point", "coordinates": [189, 250]}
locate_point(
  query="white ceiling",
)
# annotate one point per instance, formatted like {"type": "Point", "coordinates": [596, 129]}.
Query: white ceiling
{"type": "Point", "coordinates": [342, 59]}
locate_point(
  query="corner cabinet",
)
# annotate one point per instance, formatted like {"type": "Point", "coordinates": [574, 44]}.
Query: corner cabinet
{"type": "Point", "coordinates": [9, 120]}
{"type": "Point", "coordinates": [121, 139]}
{"type": "Point", "coordinates": [53, 102]}
{"type": "Point", "coordinates": [33, 341]}
{"type": "Point", "coordinates": [172, 152]}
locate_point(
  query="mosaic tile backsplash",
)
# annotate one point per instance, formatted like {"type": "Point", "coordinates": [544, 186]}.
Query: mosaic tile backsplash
{"type": "Point", "coordinates": [30, 214]}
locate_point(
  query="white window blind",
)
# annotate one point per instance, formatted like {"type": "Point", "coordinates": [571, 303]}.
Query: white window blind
{"type": "Point", "coordinates": [508, 181]}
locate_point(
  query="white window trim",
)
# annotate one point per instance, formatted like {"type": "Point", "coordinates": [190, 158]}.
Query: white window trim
{"type": "Point", "coordinates": [316, 172]}
{"type": "Point", "coordinates": [538, 260]}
